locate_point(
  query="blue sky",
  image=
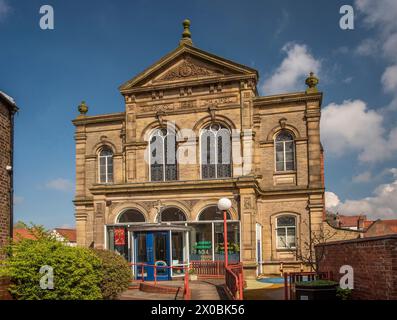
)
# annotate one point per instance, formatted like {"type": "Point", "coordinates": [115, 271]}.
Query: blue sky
{"type": "Point", "coordinates": [97, 45]}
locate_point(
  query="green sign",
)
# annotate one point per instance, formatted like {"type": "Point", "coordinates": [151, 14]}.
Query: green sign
{"type": "Point", "coordinates": [203, 245]}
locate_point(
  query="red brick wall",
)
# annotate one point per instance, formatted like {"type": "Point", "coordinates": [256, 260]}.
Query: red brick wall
{"type": "Point", "coordinates": [4, 284]}
{"type": "Point", "coordinates": [374, 262]}
{"type": "Point", "coordinates": [5, 159]}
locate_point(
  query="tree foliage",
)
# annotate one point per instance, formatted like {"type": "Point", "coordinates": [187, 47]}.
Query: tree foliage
{"type": "Point", "coordinates": [76, 271]}
{"type": "Point", "coordinates": [116, 273]}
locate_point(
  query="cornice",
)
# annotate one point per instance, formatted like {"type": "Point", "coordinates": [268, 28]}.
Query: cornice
{"type": "Point", "coordinates": [287, 98]}
{"type": "Point", "coordinates": [111, 117]}
{"type": "Point", "coordinates": [188, 83]}
{"type": "Point", "coordinates": [175, 186]}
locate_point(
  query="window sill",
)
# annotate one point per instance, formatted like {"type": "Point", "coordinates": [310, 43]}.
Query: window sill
{"type": "Point", "coordinates": [285, 249]}
{"type": "Point", "coordinates": [280, 173]}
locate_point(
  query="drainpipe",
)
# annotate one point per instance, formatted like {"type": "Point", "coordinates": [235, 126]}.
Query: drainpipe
{"type": "Point", "coordinates": [12, 173]}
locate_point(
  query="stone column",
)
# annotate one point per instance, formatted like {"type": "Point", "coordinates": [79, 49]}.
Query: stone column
{"type": "Point", "coordinates": [80, 138]}
{"type": "Point", "coordinates": [314, 145]}
{"type": "Point", "coordinates": [81, 224]}
{"type": "Point", "coordinates": [248, 231]}
{"type": "Point", "coordinates": [99, 222]}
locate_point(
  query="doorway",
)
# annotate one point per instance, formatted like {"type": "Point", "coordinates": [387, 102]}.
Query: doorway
{"type": "Point", "coordinates": [153, 249]}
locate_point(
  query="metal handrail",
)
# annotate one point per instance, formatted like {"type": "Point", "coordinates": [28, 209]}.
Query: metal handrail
{"type": "Point", "coordinates": [236, 289]}
{"type": "Point", "coordinates": [186, 291]}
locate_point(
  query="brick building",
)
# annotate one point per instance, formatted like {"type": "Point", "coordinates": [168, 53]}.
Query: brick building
{"type": "Point", "coordinates": [261, 152]}
{"type": "Point", "coordinates": [7, 111]}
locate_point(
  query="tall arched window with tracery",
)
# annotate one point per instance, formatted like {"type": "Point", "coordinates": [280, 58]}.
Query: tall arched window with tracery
{"type": "Point", "coordinates": [163, 162]}
{"type": "Point", "coordinates": [216, 152]}
{"type": "Point", "coordinates": [285, 151]}
{"type": "Point", "coordinates": [105, 159]}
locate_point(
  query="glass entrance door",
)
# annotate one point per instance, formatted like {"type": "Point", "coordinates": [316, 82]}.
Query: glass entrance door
{"type": "Point", "coordinates": [153, 249]}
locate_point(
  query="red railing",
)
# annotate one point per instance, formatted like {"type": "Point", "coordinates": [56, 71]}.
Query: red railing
{"type": "Point", "coordinates": [290, 279]}
{"type": "Point", "coordinates": [140, 271]}
{"type": "Point", "coordinates": [208, 269]}
{"type": "Point", "coordinates": [234, 281]}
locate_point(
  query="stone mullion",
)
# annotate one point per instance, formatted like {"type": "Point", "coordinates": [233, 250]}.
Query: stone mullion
{"type": "Point", "coordinates": [314, 145]}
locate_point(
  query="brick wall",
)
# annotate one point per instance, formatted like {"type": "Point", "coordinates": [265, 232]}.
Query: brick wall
{"type": "Point", "coordinates": [4, 293]}
{"type": "Point", "coordinates": [374, 262]}
{"type": "Point", "coordinates": [5, 148]}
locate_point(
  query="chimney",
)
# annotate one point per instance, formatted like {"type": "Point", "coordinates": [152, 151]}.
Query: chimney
{"type": "Point", "coordinates": [360, 222]}
{"type": "Point", "coordinates": [337, 220]}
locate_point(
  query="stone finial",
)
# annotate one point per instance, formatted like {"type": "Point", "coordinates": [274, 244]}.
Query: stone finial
{"type": "Point", "coordinates": [83, 108]}
{"type": "Point", "coordinates": [186, 35]}
{"type": "Point", "coordinates": [311, 82]}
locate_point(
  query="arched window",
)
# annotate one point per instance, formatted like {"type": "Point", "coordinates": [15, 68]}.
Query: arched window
{"type": "Point", "coordinates": [163, 166]}
{"type": "Point", "coordinates": [286, 232]}
{"type": "Point", "coordinates": [131, 215]}
{"type": "Point", "coordinates": [212, 213]}
{"type": "Point", "coordinates": [172, 214]}
{"type": "Point", "coordinates": [216, 152]}
{"type": "Point", "coordinates": [285, 151]}
{"type": "Point", "coordinates": [106, 165]}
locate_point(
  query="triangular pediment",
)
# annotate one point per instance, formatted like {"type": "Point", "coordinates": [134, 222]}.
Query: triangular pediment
{"type": "Point", "coordinates": [187, 64]}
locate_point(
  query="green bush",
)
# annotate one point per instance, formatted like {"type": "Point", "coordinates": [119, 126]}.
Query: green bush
{"type": "Point", "coordinates": [344, 294]}
{"type": "Point", "coordinates": [77, 271]}
{"type": "Point", "coordinates": [116, 273]}
{"type": "Point", "coordinates": [317, 283]}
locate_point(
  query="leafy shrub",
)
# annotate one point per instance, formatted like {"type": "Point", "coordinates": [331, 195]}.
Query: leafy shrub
{"type": "Point", "coordinates": [317, 283]}
{"type": "Point", "coordinates": [116, 273]}
{"type": "Point", "coordinates": [344, 294]}
{"type": "Point", "coordinates": [77, 271]}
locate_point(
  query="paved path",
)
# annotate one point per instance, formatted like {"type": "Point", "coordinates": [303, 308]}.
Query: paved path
{"type": "Point", "coordinates": [200, 290]}
{"type": "Point", "coordinates": [208, 290]}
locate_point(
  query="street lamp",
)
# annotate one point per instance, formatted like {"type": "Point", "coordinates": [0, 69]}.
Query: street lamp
{"type": "Point", "coordinates": [225, 204]}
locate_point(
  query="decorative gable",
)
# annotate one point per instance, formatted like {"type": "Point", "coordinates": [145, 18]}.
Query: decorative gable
{"type": "Point", "coordinates": [188, 64]}
{"type": "Point", "coordinates": [189, 68]}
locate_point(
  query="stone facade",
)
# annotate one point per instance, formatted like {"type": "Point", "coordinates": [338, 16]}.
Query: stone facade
{"type": "Point", "coordinates": [7, 110]}
{"type": "Point", "coordinates": [193, 88]}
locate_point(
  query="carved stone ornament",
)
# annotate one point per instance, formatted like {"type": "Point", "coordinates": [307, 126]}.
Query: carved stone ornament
{"type": "Point", "coordinates": [211, 110]}
{"type": "Point", "coordinates": [160, 117]}
{"type": "Point", "coordinates": [282, 122]}
{"type": "Point", "coordinates": [188, 69]}
{"type": "Point", "coordinates": [247, 203]}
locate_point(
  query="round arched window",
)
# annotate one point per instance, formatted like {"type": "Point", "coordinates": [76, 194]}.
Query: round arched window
{"type": "Point", "coordinates": [173, 214]}
{"type": "Point", "coordinates": [212, 213]}
{"type": "Point", "coordinates": [131, 215]}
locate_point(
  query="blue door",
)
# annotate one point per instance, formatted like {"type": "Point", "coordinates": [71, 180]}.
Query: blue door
{"type": "Point", "coordinates": [153, 249]}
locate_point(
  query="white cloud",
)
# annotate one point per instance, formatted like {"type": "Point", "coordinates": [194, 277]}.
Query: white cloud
{"type": "Point", "coordinates": [382, 16]}
{"type": "Point", "coordinates": [352, 127]}
{"type": "Point", "coordinates": [4, 9]}
{"type": "Point", "coordinates": [363, 177]}
{"type": "Point", "coordinates": [389, 78]}
{"type": "Point", "coordinates": [282, 23]}
{"type": "Point", "coordinates": [295, 67]}
{"type": "Point", "coordinates": [18, 200]}
{"type": "Point", "coordinates": [380, 13]}
{"type": "Point", "coordinates": [368, 47]}
{"type": "Point", "coordinates": [60, 184]}
{"type": "Point", "coordinates": [347, 80]}
{"type": "Point", "coordinates": [382, 205]}
{"type": "Point", "coordinates": [331, 200]}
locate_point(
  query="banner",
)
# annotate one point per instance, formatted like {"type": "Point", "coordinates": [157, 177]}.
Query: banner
{"type": "Point", "coordinates": [119, 237]}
